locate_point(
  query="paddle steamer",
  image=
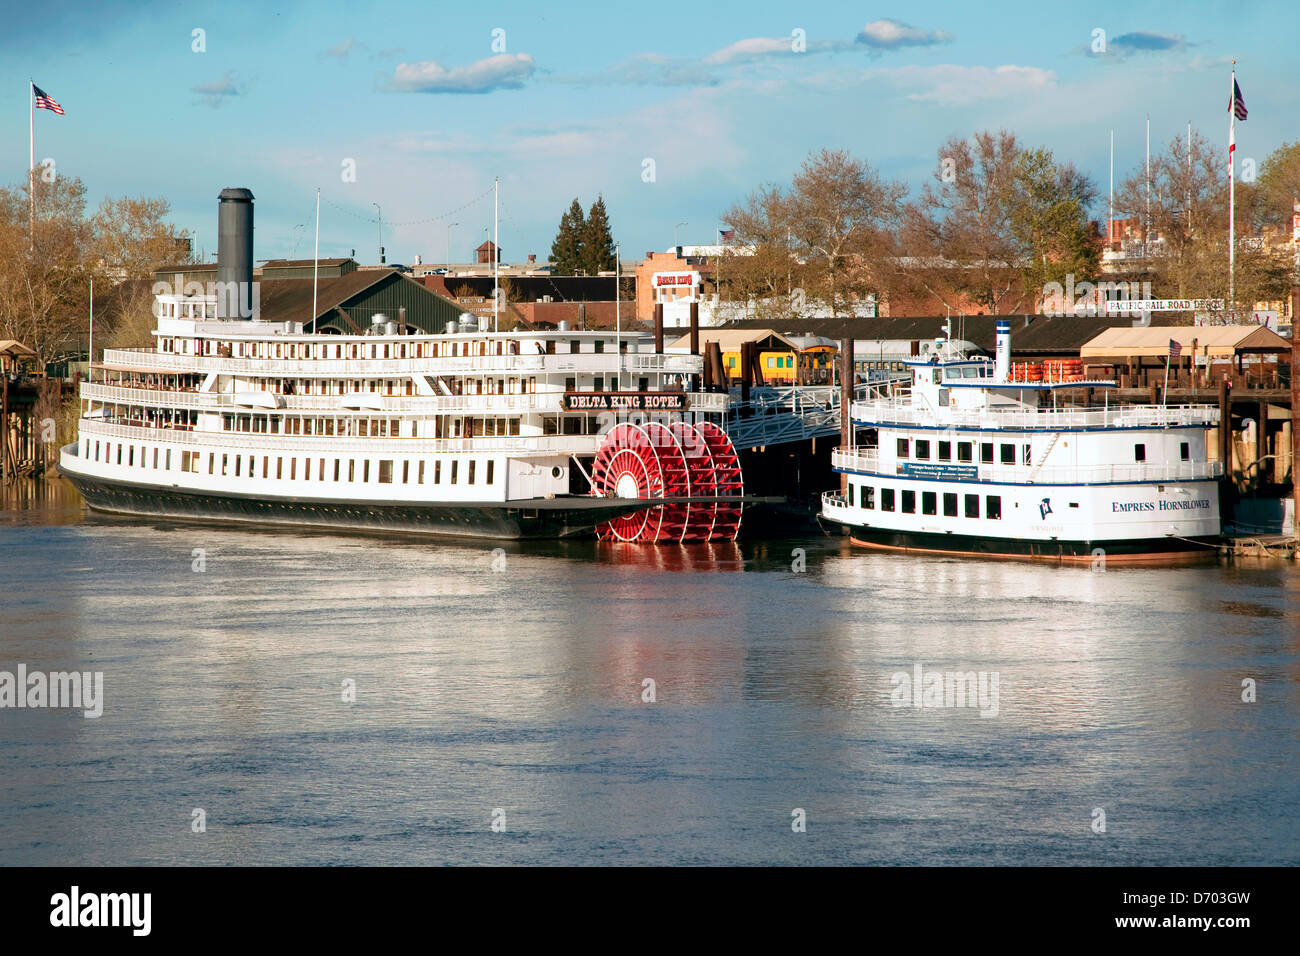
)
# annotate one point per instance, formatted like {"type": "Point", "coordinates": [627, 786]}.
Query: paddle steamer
{"type": "Point", "coordinates": [467, 431]}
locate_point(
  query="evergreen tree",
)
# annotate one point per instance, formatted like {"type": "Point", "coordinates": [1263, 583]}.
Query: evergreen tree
{"type": "Point", "coordinates": [598, 243]}
{"type": "Point", "coordinates": [567, 254]}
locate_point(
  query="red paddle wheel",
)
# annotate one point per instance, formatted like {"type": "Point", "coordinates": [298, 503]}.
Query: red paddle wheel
{"type": "Point", "coordinates": [676, 461]}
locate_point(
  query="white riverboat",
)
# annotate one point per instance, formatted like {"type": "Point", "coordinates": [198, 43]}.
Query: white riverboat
{"type": "Point", "coordinates": [466, 431]}
{"type": "Point", "coordinates": [981, 457]}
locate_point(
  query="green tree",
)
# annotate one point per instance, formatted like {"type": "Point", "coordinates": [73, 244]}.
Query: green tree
{"type": "Point", "coordinates": [567, 254]}
{"type": "Point", "coordinates": [597, 241]}
{"type": "Point", "coordinates": [1279, 186]}
{"type": "Point", "coordinates": [1048, 218]}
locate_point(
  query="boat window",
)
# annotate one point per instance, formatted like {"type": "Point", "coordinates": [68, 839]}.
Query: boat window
{"type": "Point", "coordinates": [336, 469]}
{"type": "Point", "coordinates": [437, 472]}
{"type": "Point", "coordinates": [1185, 450]}
{"type": "Point", "coordinates": [964, 451]}
{"type": "Point", "coordinates": [1008, 453]}
{"type": "Point", "coordinates": [1028, 453]}
{"type": "Point", "coordinates": [886, 499]}
{"type": "Point", "coordinates": [945, 451]}
{"type": "Point", "coordinates": [469, 478]}
{"type": "Point", "coordinates": [972, 506]}
{"type": "Point", "coordinates": [365, 470]}
{"type": "Point", "coordinates": [419, 475]}
{"type": "Point", "coordinates": [386, 471]}
{"type": "Point", "coordinates": [950, 505]}
{"type": "Point", "coordinates": [352, 469]}
{"type": "Point", "coordinates": [406, 472]}
{"type": "Point", "coordinates": [490, 470]}
{"type": "Point", "coordinates": [929, 503]}
{"type": "Point", "coordinates": [869, 496]}
{"type": "Point", "coordinates": [902, 447]}
{"type": "Point", "coordinates": [454, 467]}
{"type": "Point", "coordinates": [909, 502]}
{"type": "Point", "coordinates": [922, 449]}
{"type": "Point", "coordinates": [993, 507]}
{"type": "Point", "coordinates": [1139, 452]}
{"type": "Point", "coordinates": [850, 499]}
{"type": "Point", "coordinates": [986, 452]}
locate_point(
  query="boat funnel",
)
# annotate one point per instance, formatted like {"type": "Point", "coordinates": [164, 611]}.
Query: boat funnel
{"type": "Point", "coordinates": [1002, 355]}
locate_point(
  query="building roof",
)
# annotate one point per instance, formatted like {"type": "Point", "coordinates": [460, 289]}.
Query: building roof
{"type": "Point", "coordinates": [15, 349]}
{"type": "Point", "coordinates": [301, 263]}
{"type": "Point", "coordinates": [1030, 334]}
{"type": "Point", "coordinates": [730, 340]}
{"type": "Point", "coordinates": [1209, 340]}
{"type": "Point", "coordinates": [290, 299]}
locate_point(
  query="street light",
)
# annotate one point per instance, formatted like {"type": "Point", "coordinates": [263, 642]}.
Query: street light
{"type": "Point", "coordinates": [675, 228]}
{"type": "Point", "coordinates": [448, 263]}
{"type": "Point", "coordinates": [381, 232]}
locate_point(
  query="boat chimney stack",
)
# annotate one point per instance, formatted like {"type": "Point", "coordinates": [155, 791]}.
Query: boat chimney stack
{"type": "Point", "coordinates": [235, 294]}
{"type": "Point", "coordinates": [1002, 355]}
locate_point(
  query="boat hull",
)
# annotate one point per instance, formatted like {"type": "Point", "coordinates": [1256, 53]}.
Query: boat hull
{"type": "Point", "coordinates": [1135, 551]}
{"type": "Point", "coordinates": [535, 519]}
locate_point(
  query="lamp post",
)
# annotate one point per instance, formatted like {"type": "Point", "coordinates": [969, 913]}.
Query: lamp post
{"type": "Point", "coordinates": [676, 247]}
{"type": "Point", "coordinates": [448, 262]}
{"type": "Point", "coordinates": [381, 232]}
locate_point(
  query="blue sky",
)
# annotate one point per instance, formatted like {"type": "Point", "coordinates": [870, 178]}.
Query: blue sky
{"type": "Point", "coordinates": [572, 99]}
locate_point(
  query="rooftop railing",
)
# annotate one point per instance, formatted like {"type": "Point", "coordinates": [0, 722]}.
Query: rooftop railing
{"type": "Point", "coordinates": [868, 460]}
{"type": "Point", "coordinates": [901, 411]}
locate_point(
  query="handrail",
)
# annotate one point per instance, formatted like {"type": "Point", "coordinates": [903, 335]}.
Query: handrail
{"type": "Point", "coordinates": [868, 461]}
{"type": "Point", "coordinates": [294, 444]}
{"type": "Point", "coordinates": [889, 412]}
{"type": "Point", "coordinates": [550, 363]}
{"type": "Point", "coordinates": [546, 402]}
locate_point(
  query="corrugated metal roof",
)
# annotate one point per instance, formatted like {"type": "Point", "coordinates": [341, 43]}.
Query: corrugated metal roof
{"type": "Point", "coordinates": [1150, 341]}
{"type": "Point", "coordinates": [730, 340]}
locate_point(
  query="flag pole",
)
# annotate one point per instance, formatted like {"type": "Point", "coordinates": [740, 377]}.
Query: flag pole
{"type": "Point", "coordinates": [31, 169]}
{"type": "Point", "coordinates": [1232, 191]}
{"type": "Point", "coordinates": [1110, 213]}
{"type": "Point", "coordinates": [618, 316]}
{"type": "Point", "coordinates": [90, 346]}
{"type": "Point", "coordinates": [1164, 398]}
{"type": "Point", "coordinates": [315, 265]}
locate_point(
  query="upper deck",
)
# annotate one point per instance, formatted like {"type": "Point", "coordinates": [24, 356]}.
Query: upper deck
{"type": "Point", "coordinates": [902, 409]}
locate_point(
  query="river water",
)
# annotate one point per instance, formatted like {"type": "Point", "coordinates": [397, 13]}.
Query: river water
{"type": "Point", "coordinates": [332, 699]}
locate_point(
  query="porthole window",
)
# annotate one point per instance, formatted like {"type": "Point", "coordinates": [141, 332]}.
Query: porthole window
{"type": "Point", "coordinates": [556, 472]}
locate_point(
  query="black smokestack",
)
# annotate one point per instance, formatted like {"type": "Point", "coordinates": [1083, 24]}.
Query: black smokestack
{"type": "Point", "coordinates": [234, 253]}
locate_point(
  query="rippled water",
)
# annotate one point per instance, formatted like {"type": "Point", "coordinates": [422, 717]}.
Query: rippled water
{"type": "Point", "coordinates": [520, 690]}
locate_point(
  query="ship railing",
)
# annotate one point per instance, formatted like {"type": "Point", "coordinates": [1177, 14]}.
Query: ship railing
{"type": "Point", "coordinates": [301, 444]}
{"type": "Point", "coordinates": [434, 404]}
{"type": "Point", "coordinates": [604, 362]}
{"type": "Point", "coordinates": [903, 412]}
{"type": "Point", "coordinates": [868, 461]}
{"type": "Point", "coordinates": [834, 499]}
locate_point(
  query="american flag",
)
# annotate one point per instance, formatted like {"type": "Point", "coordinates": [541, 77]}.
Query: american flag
{"type": "Point", "coordinates": [1175, 349]}
{"type": "Point", "coordinates": [728, 234]}
{"type": "Point", "coordinates": [1238, 104]}
{"type": "Point", "coordinates": [44, 101]}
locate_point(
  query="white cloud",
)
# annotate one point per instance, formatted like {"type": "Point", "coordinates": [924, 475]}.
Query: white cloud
{"type": "Point", "coordinates": [750, 49]}
{"type": "Point", "coordinates": [952, 85]}
{"type": "Point", "coordinates": [505, 71]}
{"type": "Point", "coordinates": [889, 34]}
{"type": "Point", "coordinates": [645, 69]}
{"type": "Point", "coordinates": [217, 92]}
{"type": "Point", "coordinates": [341, 50]}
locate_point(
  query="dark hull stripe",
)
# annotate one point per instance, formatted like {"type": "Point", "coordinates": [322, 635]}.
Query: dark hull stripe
{"type": "Point", "coordinates": [1120, 552]}
{"type": "Point", "coordinates": [466, 521]}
